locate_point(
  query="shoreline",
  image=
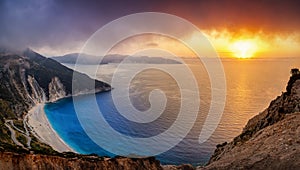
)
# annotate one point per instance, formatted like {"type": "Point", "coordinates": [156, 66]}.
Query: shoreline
{"type": "Point", "coordinates": [41, 128]}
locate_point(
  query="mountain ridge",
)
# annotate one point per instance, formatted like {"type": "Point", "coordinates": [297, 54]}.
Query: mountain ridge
{"type": "Point", "coordinates": [28, 78]}
{"type": "Point", "coordinates": [111, 58]}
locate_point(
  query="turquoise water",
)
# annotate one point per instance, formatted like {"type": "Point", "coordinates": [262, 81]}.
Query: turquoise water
{"type": "Point", "coordinates": [251, 85]}
{"type": "Point", "coordinates": [63, 119]}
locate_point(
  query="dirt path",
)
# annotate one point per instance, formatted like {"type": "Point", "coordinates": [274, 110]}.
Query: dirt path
{"type": "Point", "coordinates": [12, 129]}
{"type": "Point", "coordinates": [13, 135]}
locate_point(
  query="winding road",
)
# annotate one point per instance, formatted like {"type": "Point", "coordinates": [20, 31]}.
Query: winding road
{"type": "Point", "coordinates": [12, 128]}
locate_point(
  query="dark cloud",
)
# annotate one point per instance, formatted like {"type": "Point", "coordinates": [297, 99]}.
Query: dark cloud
{"type": "Point", "coordinates": [65, 25]}
{"type": "Point", "coordinates": [269, 15]}
{"type": "Point", "coordinates": [55, 24]}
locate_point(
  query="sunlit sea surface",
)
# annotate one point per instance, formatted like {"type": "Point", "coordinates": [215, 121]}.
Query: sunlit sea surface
{"type": "Point", "coordinates": [251, 85]}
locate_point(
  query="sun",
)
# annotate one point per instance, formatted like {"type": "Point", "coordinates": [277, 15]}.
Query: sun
{"type": "Point", "coordinates": [243, 48]}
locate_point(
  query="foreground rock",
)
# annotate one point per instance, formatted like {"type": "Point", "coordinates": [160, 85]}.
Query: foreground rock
{"type": "Point", "coordinates": [270, 140]}
{"type": "Point", "coordinates": [274, 147]}
{"type": "Point", "coordinates": [17, 161]}
{"type": "Point", "coordinates": [178, 167]}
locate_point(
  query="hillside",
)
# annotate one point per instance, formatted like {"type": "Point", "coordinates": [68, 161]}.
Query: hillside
{"type": "Point", "coordinates": [26, 79]}
{"type": "Point", "coordinates": [270, 140]}
{"type": "Point", "coordinates": [112, 58]}
{"type": "Point", "coordinates": [29, 78]}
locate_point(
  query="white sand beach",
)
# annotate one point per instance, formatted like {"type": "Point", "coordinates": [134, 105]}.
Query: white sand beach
{"type": "Point", "coordinates": [39, 125]}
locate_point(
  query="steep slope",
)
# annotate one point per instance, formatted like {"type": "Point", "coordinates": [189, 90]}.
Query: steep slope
{"type": "Point", "coordinates": [270, 140]}
{"type": "Point", "coordinates": [49, 68]}
{"type": "Point", "coordinates": [27, 78]}
{"type": "Point", "coordinates": [30, 78]}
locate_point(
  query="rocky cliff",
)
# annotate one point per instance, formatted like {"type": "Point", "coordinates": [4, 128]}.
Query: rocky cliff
{"type": "Point", "coordinates": [29, 78]}
{"type": "Point", "coordinates": [56, 89]}
{"type": "Point", "coordinates": [270, 140]}
{"type": "Point", "coordinates": [26, 79]}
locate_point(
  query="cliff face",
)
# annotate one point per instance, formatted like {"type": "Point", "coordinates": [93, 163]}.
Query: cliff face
{"type": "Point", "coordinates": [26, 79]}
{"type": "Point", "coordinates": [48, 71]}
{"type": "Point", "coordinates": [29, 78]}
{"type": "Point", "coordinates": [270, 140]}
{"type": "Point", "coordinates": [14, 161]}
{"type": "Point", "coordinates": [56, 89]}
{"type": "Point", "coordinates": [37, 93]}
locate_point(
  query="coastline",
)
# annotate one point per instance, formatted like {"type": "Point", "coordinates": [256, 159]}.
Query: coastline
{"type": "Point", "coordinates": [41, 128]}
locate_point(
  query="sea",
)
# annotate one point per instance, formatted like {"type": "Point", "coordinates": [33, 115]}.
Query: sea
{"type": "Point", "coordinates": [251, 84]}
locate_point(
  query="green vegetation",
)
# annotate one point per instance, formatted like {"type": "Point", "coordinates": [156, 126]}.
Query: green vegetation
{"type": "Point", "coordinates": [21, 138]}
{"type": "Point", "coordinates": [19, 124]}
{"type": "Point", "coordinates": [6, 144]}
{"type": "Point", "coordinates": [41, 148]}
{"type": "Point", "coordinates": [5, 135]}
{"type": "Point", "coordinates": [5, 110]}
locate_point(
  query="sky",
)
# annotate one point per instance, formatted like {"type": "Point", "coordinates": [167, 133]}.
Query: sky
{"type": "Point", "coordinates": [236, 28]}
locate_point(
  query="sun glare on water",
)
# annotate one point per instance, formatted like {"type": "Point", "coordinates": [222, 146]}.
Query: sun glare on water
{"type": "Point", "coordinates": [243, 48]}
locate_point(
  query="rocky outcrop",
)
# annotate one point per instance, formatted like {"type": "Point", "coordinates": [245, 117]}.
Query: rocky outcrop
{"type": "Point", "coordinates": [37, 93]}
{"type": "Point", "coordinates": [17, 88]}
{"type": "Point", "coordinates": [274, 147]}
{"type": "Point", "coordinates": [14, 161]}
{"type": "Point", "coordinates": [178, 167]}
{"type": "Point", "coordinates": [29, 78]}
{"type": "Point", "coordinates": [270, 140]}
{"type": "Point", "coordinates": [56, 90]}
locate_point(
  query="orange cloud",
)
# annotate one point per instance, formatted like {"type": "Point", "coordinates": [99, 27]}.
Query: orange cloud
{"type": "Point", "coordinates": [227, 44]}
{"type": "Point", "coordinates": [267, 44]}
